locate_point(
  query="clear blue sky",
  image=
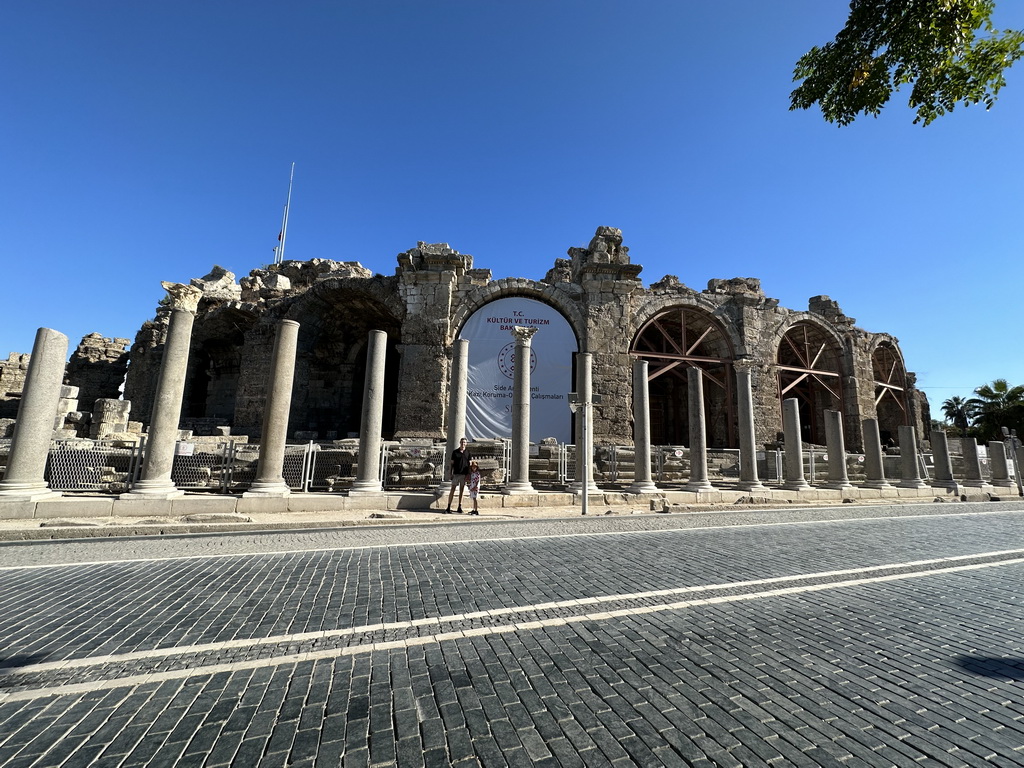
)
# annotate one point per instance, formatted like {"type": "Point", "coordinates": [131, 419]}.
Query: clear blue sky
{"type": "Point", "coordinates": [149, 141]}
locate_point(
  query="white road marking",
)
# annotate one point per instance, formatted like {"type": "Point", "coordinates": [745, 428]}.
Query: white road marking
{"type": "Point", "coordinates": [181, 674]}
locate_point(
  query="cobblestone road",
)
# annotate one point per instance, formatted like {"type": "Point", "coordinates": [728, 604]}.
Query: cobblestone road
{"type": "Point", "coordinates": [683, 640]}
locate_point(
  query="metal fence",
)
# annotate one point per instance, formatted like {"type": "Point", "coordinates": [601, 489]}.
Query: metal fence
{"type": "Point", "coordinates": [230, 466]}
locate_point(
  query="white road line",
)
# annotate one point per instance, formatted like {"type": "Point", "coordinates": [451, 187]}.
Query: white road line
{"type": "Point", "coordinates": [134, 680]}
{"type": "Point", "coordinates": [205, 556]}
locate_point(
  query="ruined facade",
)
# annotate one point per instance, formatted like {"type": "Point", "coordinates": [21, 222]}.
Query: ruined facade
{"type": "Point", "coordinates": [816, 355]}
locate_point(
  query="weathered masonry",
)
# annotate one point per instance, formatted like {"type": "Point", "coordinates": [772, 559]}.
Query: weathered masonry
{"type": "Point", "coordinates": [816, 356]}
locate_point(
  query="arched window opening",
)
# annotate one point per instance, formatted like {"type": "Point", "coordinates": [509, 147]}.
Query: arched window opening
{"type": "Point", "coordinates": [890, 391]}
{"type": "Point", "coordinates": [671, 342]}
{"type": "Point", "coordinates": [809, 370]}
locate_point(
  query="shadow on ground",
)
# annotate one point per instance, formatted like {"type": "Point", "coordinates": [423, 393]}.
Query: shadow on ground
{"type": "Point", "coordinates": [993, 666]}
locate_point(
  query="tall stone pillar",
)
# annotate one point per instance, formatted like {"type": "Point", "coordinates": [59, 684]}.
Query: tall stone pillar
{"type": "Point", "coordinates": [37, 414]}
{"type": "Point", "coordinates": [943, 463]}
{"type": "Point", "coordinates": [163, 426]}
{"type": "Point", "coordinates": [270, 471]}
{"type": "Point", "coordinates": [794, 446]}
{"type": "Point", "coordinates": [748, 445]}
{"type": "Point", "coordinates": [997, 465]}
{"type": "Point", "coordinates": [874, 468]}
{"type": "Point", "coordinates": [456, 407]}
{"type": "Point", "coordinates": [836, 444]}
{"type": "Point", "coordinates": [584, 438]}
{"type": "Point", "coordinates": [698, 433]}
{"type": "Point", "coordinates": [519, 482]}
{"type": "Point", "coordinates": [910, 466]}
{"type": "Point", "coordinates": [972, 463]}
{"type": "Point", "coordinates": [642, 482]}
{"type": "Point", "coordinates": [372, 421]}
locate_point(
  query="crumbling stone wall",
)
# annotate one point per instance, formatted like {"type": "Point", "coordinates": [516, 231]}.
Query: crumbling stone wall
{"type": "Point", "coordinates": [97, 367]}
{"type": "Point", "coordinates": [425, 303]}
{"type": "Point", "coordinates": [12, 382]}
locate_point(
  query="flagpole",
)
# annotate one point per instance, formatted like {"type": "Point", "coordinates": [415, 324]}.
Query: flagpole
{"type": "Point", "coordinates": [279, 251]}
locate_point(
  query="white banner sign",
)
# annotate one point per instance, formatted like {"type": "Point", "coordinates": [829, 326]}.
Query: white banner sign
{"type": "Point", "coordinates": [491, 366]}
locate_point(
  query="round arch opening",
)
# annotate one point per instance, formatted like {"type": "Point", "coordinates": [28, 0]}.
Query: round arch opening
{"type": "Point", "coordinates": [671, 342]}
{"type": "Point", "coordinates": [331, 360]}
{"type": "Point", "coordinates": [491, 368]}
{"type": "Point", "coordinates": [890, 377]}
{"type": "Point", "coordinates": [809, 371]}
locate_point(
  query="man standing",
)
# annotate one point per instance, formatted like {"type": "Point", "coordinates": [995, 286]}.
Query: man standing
{"type": "Point", "coordinates": [459, 469]}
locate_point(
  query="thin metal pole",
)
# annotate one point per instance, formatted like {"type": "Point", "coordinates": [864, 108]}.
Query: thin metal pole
{"type": "Point", "coordinates": [284, 220]}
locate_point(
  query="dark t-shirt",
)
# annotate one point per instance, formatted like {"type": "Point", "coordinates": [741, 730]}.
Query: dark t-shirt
{"type": "Point", "coordinates": [460, 462]}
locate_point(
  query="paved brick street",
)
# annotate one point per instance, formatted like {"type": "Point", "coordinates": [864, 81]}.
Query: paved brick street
{"type": "Point", "coordinates": [729, 639]}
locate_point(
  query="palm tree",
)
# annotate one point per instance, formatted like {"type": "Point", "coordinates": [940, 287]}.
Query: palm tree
{"type": "Point", "coordinates": [997, 405]}
{"type": "Point", "coordinates": [959, 412]}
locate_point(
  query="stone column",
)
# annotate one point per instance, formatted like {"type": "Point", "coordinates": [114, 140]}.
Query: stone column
{"type": "Point", "coordinates": [874, 469]}
{"type": "Point", "coordinates": [37, 414]}
{"type": "Point", "coordinates": [456, 408]}
{"type": "Point", "coordinates": [836, 444]}
{"type": "Point", "coordinates": [910, 468]}
{"type": "Point", "coordinates": [269, 474]}
{"type": "Point", "coordinates": [997, 465]}
{"type": "Point", "coordinates": [972, 463]}
{"type": "Point", "coordinates": [585, 438]}
{"type": "Point", "coordinates": [163, 426]}
{"type": "Point", "coordinates": [748, 447]}
{"type": "Point", "coordinates": [698, 433]}
{"type": "Point", "coordinates": [943, 464]}
{"type": "Point", "coordinates": [519, 482]}
{"type": "Point", "coordinates": [642, 482]}
{"type": "Point", "coordinates": [372, 422]}
{"type": "Point", "coordinates": [1020, 458]}
{"type": "Point", "coordinates": [794, 446]}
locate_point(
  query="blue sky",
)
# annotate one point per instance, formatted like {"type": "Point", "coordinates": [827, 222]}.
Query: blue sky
{"type": "Point", "coordinates": [149, 141]}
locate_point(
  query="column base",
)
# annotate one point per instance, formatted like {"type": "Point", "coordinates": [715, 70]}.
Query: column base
{"type": "Point", "coordinates": [576, 488]}
{"type": "Point", "coordinates": [796, 485]}
{"type": "Point", "coordinates": [366, 488]}
{"type": "Point", "coordinates": [153, 489]}
{"type": "Point", "coordinates": [698, 486]}
{"type": "Point", "coordinates": [1004, 484]}
{"type": "Point", "coordinates": [878, 484]}
{"type": "Point", "coordinates": [838, 486]}
{"type": "Point", "coordinates": [642, 486]}
{"type": "Point", "coordinates": [752, 485]}
{"type": "Point", "coordinates": [519, 486]}
{"type": "Point", "coordinates": [912, 484]}
{"type": "Point", "coordinates": [26, 492]}
{"type": "Point", "coordinates": [268, 490]}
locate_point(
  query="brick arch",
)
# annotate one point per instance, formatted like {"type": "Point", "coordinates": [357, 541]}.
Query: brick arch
{"type": "Point", "coordinates": [811, 359]}
{"type": "Point", "coordinates": [678, 336]}
{"type": "Point", "coordinates": [359, 295]}
{"type": "Point", "coordinates": [891, 389]}
{"type": "Point", "coordinates": [658, 305]}
{"type": "Point", "coordinates": [335, 318]}
{"type": "Point", "coordinates": [512, 287]}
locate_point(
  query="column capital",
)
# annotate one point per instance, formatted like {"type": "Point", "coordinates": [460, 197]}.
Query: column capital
{"type": "Point", "coordinates": [522, 334]}
{"type": "Point", "coordinates": [181, 296]}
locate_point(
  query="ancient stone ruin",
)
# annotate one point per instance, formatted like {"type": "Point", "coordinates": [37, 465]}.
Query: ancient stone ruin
{"type": "Point", "coordinates": [817, 356]}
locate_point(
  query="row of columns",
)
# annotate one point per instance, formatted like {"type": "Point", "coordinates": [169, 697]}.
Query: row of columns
{"type": "Point", "coordinates": [26, 466]}
{"type": "Point", "coordinates": [24, 479]}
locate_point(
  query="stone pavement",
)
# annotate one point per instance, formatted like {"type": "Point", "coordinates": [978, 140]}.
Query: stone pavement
{"type": "Point", "coordinates": [814, 637]}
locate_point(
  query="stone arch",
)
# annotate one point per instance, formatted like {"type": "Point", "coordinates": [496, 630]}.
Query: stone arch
{"type": "Point", "coordinates": [514, 286]}
{"type": "Point", "coordinates": [889, 373]}
{"type": "Point", "coordinates": [491, 352]}
{"type": "Point", "coordinates": [809, 364]}
{"type": "Point", "coordinates": [673, 339]}
{"type": "Point", "coordinates": [335, 318]}
{"type": "Point", "coordinates": [215, 364]}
